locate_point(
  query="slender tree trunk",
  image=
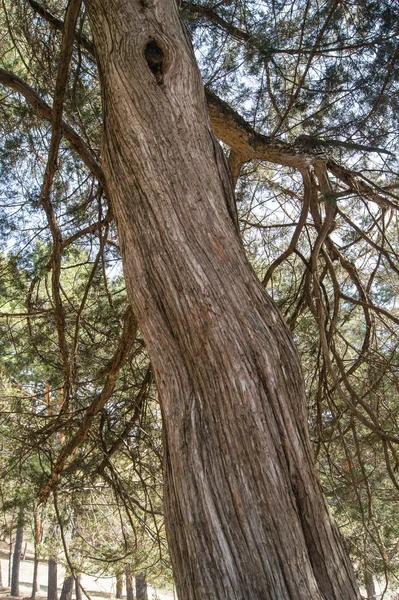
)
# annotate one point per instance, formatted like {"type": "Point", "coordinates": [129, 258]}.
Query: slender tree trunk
{"type": "Point", "coordinates": [141, 587]}
{"type": "Point", "coordinates": [52, 585]}
{"type": "Point", "coordinates": [1, 575]}
{"type": "Point", "coordinates": [16, 559]}
{"type": "Point", "coordinates": [10, 549]}
{"type": "Point", "coordinates": [244, 511]}
{"type": "Point", "coordinates": [119, 586]}
{"type": "Point", "coordinates": [37, 539]}
{"type": "Point", "coordinates": [78, 589]}
{"type": "Point", "coordinates": [370, 586]}
{"type": "Point", "coordinates": [35, 579]}
{"type": "Point", "coordinates": [67, 588]}
{"type": "Point", "coordinates": [129, 584]}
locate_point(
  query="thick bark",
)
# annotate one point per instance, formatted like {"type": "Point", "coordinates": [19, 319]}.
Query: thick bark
{"type": "Point", "coordinates": [67, 588]}
{"type": "Point", "coordinates": [129, 584]}
{"type": "Point", "coordinates": [141, 587]}
{"type": "Point", "coordinates": [52, 579]}
{"type": "Point", "coordinates": [16, 561]}
{"type": "Point", "coordinates": [244, 511]}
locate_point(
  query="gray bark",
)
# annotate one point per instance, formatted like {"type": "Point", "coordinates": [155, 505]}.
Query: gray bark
{"type": "Point", "coordinates": [78, 589]}
{"type": "Point", "coordinates": [370, 586]}
{"type": "Point", "coordinates": [52, 579]}
{"type": "Point", "coordinates": [16, 561]}
{"type": "Point", "coordinates": [245, 514]}
{"type": "Point", "coordinates": [35, 581]}
{"type": "Point", "coordinates": [67, 588]}
{"type": "Point", "coordinates": [141, 587]}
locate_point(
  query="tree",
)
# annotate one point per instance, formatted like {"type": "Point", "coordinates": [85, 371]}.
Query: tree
{"type": "Point", "coordinates": [229, 379]}
{"type": "Point", "coordinates": [231, 389]}
{"type": "Point", "coordinates": [16, 561]}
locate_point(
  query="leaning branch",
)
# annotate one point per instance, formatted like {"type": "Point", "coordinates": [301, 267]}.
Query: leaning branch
{"type": "Point", "coordinates": [44, 111]}
{"type": "Point", "coordinates": [49, 174]}
{"type": "Point", "coordinates": [125, 345]}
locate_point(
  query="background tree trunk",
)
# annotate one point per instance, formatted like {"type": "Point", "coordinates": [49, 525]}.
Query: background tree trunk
{"type": "Point", "coordinates": [16, 560]}
{"type": "Point", "coordinates": [67, 588]}
{"type": "Point", "coordinates": [35, 581]}
{"type": "Point", "coordinates": [370, 586]}
{"type": "Point", "coordinates": [244, 510]}
{"type": "Point", "coordinates": [37, 539]}
{"type": "Point", "coordinates": [52, 579]}
{"type": "Point", "coordinates": [129, 584]}
{"type": "Point", "coordinates": [119, 586]}
{"type": "Point", "coordinates": [141, 587]}
{"type": "Point", "coordinates": [78, 589]}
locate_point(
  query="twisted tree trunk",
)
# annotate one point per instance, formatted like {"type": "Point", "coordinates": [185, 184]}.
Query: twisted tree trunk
{"type": "Point", "coordinates": [244, 511]}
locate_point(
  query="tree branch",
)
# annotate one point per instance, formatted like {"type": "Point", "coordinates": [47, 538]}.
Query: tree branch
{"type": "Point", "coordinates": [125, 345]}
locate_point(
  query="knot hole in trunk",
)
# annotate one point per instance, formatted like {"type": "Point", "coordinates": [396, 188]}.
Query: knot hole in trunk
{"type": "Point", "coordinates": [155, 60]}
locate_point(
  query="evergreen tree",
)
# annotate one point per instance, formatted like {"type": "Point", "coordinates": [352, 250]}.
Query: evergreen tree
{"type": "Point", "coordinates": [303, 97]}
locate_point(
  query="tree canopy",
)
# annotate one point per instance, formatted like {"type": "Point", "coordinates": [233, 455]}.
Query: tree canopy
{"type": "Point", "coordinates": [304, 98]}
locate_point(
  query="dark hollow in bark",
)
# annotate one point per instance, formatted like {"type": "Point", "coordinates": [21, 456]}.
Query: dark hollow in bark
{"type": "Point", "coordinates": [244, 510]}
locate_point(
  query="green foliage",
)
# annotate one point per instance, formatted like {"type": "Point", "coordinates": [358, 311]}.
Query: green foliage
{"type": "Point", "coordinates": [330, 70]}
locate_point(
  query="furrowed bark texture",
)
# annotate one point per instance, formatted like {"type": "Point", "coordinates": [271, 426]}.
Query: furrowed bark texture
{"type": "Point", "coordinates": [244, 511]}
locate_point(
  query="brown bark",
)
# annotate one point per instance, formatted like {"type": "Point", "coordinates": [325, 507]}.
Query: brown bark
{"type": "Point", "coordinates": [244, 511]}
{"type": "Point", "coordinates": [119, 586]}
{"type": "Point", "coordinates": [129, 584]}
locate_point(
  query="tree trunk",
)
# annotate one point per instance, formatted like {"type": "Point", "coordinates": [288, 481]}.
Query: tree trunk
{"type": "Point", "coordinates": [16, 559]}
{"type": "Point", "coordinates": [10, 549]}
{"type": "Point", "coordinates": [129, 584]}
{"type": "Point", "coordinates": [141, 587]}
{"type": "Point", "coordinates": [244, 511]}
{"type": "Point", "coordinates": [119, 586]}
{"type": "Point", "coordinates": [370, 586]}
{"type": "Point", "coordinates": [52, 579]}
{"type": "Point", "coordinates": [1, 575]}
{"type": "Point", "coordinates": [67, 588]}
{"type": "Point", "coordinates": [35, 579]}
{"type": "Point", "coordinates": [37, 539]}
{"type": "Point", "coordinates": [78, 589]}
